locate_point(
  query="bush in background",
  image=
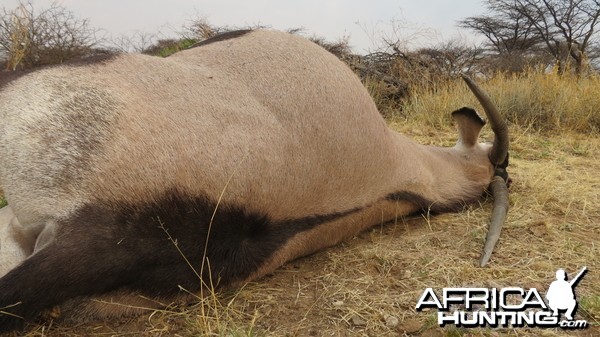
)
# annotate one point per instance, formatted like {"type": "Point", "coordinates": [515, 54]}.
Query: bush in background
{"type": "Point", "coordinates": [31, 39]}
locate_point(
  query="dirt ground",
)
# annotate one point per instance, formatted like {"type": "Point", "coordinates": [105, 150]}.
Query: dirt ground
{"type": "Point", "coordinates": [369, 286]}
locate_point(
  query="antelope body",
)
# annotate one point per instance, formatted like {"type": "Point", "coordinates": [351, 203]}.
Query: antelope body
{"type": "Point", "coordinates": [214, 166]}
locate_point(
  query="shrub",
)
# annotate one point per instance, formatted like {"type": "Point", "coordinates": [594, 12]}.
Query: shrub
{"type": "Point", "coordinates": [31, 39]}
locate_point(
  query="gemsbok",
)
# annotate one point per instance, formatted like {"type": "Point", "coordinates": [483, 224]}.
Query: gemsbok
{"type": "Point", "coordinates": [136, 175]}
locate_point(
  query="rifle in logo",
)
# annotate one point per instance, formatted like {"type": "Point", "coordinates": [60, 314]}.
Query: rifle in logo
{"type": "Point", "coordinates": [561, 294]}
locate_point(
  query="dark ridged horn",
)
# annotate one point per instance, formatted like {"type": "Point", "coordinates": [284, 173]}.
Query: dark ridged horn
{"type": "Point", "coordinates": [500, 148]}
{"type": "Point", "coordinates": [498, 156]}
{"type": "Point", "coordinates": [499, 211]}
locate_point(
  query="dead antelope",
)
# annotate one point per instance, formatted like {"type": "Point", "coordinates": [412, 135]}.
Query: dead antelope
{"type": "Point", "coordinates": [247, 151]}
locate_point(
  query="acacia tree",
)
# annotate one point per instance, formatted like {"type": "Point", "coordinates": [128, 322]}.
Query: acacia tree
{"type": "Point", "coordinates": [507, 30]}
{"type": "Point", "coordinates": [513, 41]}
{"type": "Point", "coordinates": [564, 28]}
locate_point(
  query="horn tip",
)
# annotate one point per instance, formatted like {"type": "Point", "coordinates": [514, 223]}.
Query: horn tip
{"type": "Point", "coordinates": [484, 260]}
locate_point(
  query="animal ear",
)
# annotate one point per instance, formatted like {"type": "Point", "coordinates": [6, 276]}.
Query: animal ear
{"type": "Point", "coordinates": [469, 124]}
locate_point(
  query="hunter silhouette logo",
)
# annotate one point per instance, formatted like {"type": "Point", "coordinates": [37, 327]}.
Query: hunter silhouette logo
{"type": "Point", "coordinates": [507, 307]}
{"type": "Point", "coordinates": [561, 294]}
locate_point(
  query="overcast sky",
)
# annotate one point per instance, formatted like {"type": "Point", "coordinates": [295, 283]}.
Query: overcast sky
{"type": "Point", "coordinates": [364, 21]}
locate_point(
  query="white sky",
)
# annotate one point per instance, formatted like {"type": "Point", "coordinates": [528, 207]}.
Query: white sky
{"type": "Point", "coordinates": [364, 21]}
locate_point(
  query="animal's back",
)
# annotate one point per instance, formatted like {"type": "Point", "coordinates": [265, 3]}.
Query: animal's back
{"type": "Point", "coordinates": [267, 117]}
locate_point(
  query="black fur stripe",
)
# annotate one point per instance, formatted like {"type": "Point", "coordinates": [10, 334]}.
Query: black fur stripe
{"type": "Point", "coordinates": [239, 242]}
{"type": "Point", "coordinates": [142, 248]}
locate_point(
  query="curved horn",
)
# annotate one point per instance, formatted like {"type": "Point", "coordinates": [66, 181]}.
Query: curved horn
{"type": "Point", "coordinates": [499, 211]}
{"type": "Point", "coordinates": [500, 148]}
{"type": "Point", "coordinates": [498, 155]}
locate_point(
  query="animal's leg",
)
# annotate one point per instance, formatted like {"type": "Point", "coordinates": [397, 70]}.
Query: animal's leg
{"type": "Point", "coordinates": [55, 273]}
{"type": "Point", "coordinates": [89, 255]}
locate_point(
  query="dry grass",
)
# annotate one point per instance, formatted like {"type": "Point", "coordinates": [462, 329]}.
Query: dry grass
{"type": "Point", "coordinates": [350, 289]}
{"type": "Point", "coordinates": [533, 100]}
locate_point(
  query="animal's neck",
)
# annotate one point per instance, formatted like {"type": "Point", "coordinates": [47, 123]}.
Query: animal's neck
{"type": "Point", "coordinates": [443, 178]}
